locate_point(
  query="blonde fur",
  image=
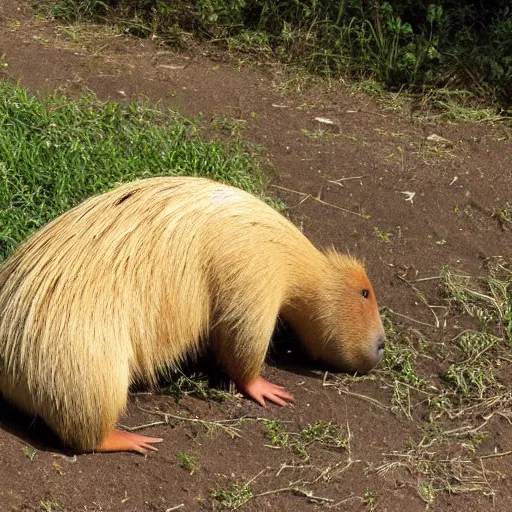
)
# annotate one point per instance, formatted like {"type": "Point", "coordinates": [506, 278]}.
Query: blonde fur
{"type": "Point", "coordinates": [141, 277]}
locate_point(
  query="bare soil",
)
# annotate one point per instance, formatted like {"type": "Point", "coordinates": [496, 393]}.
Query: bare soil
{"type": "Point", "coordinates": [385, 153]}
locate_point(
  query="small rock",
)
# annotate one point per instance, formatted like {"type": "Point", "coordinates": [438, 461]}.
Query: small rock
{"type": "Point", "coordinates": [171, 66]}
{"type": "Point", "coordinates": [324, 120]}
{"type": "Point", "coordinates": [439, 140]}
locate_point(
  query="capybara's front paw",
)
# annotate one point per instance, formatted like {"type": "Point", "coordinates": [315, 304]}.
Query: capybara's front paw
{"type": "Point", "coordinates": [258, 389]}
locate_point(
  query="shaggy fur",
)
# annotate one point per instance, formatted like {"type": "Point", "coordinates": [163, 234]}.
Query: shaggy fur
{"type": "Point", "coordinates": [142, 276]}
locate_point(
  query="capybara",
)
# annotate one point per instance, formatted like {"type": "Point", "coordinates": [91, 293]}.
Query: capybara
{"type": "Point", "coordinates": [139, 278]}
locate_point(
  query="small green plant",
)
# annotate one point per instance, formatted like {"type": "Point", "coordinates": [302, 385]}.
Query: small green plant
{"type": "Point", "coordinates": [29, 452]}
{"type": "Point", "coordinates": [274, 431]}
{"type": "Point", "coordinates": [427, 492]}
{"type": "Point", "coordinates": [233, 126]}
{"type": "Point", "coordinates": [197, 385]}
{"type": "Point", "coordinates": [50, 506]}
{"type": "Point", "coordinates": [187, 462]}
{"type": "Point", "coordinates": [382, 236]}
{"type": "Point", "coordinates": [485, 299]}
{"type": "Point", "coordinates": [234, 497]}
{"type": "Point", "coordinates": [399, 365]}
{"type": "Point", "coordinates": [369, 498]}
{"type": "Point", "coordinates": [504, 214]}
{"type": "Point", "coordinates": [470, 379]}
{"type": "Point", "coordinates": [324, 432]}
{"type": "Point", "coordinates": [321, 432]}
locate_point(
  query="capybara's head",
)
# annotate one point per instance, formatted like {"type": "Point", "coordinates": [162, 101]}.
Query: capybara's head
{"type": "Point", "coordinates": [348, 317]}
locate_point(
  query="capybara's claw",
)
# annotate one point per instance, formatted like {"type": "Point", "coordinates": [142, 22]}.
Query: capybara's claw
{"type": "Point", "coordinates": [258, 389]}
{"type": "Point", "coordinates": [121, 441]}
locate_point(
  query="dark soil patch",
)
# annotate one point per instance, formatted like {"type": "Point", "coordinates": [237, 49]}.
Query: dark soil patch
{"type": "Point", "coordinates": [448, 222]}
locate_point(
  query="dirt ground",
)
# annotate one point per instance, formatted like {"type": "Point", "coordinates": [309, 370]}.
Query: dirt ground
{"type": "Point", "coordinates": [385, 153]}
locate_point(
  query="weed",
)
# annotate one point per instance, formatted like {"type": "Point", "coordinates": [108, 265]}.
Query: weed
{"type": "Point", "coordinates": [382, 236]}
{"type": "Point", "coordinates": [321, 432]}
{"type": "Point", "coordinates": [29, 452]}
{"type": "Point", "coordinates": [274, 432]}
{"type": "Point", "coordinates": [50, 506]}
{"type": "Point", "coordinates": [233, 126]}
{"type": "Point", "coordinates": [187, 462]}
{"type": "Point", "coordinates": [326, 433]}
{"type": "Point", "coordinates": [197, 385]}
{"type": "Point", "coordinates": [486, 299]}
{"type": "Point", "coordinates": [504, 214]}
{"type": "Point", "coordinates": [369, 498]}
{"type": "Point", "coordinates": [234, 497]}
{"type": "Point", "coordinates": [427, 492]}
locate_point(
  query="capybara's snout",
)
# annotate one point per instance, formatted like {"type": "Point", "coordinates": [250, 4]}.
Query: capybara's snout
{"type": "Point", "coordinates": [373, 355]}
{"type": "Point", "coordinates": [380, 344]}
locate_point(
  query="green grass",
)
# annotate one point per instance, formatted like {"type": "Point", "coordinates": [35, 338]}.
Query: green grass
{"type": "Point", "coordinates": [55, 152]}
{"type": "Point", "coordinates": [187, 462]}
{"type": "Point", "coordinates": [29, 452]}
{"type": "Point", "coordinates": [321, 432]}
{"type": "Point", "coordinates": [422, 46]}
{"type": "Point", "coordinates": [451, 386]}
{"type": "Point", "coordinates": [233, 497]}
{"type": "Point", "coordinates": [504, 214]}
{"type": "Point", "coordinates": [179, 385]}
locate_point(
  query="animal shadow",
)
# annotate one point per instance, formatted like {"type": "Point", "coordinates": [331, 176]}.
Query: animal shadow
{"type": "Point", "coordinates": [31, 431]}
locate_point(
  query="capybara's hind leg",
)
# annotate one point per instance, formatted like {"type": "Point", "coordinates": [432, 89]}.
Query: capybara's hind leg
{"type": "Point", "coordinates": [121, 441]}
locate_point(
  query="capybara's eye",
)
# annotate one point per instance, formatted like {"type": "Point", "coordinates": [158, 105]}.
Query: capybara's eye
{"type": "Point", "coordinates": [365, 293]}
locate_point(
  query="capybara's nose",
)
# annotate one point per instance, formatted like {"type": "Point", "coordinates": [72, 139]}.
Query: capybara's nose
{"type": "Point", "coordinates": [381, 343]}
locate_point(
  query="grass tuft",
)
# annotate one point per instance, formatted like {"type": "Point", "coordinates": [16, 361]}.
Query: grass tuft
{"type": "Point", "coordinates": [234, 497]}
{"type": "Point", "coordinates": [321, 432]}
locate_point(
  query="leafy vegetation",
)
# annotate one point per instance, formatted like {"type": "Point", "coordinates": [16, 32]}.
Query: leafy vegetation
{"type": "Point", "coordinates": [187, 462]}
{"type": "Point", "coordinates": [446, 43]}
{"type": "Point", "coordinates": [233, 497]}
{"type": "Point", "coordinates": [321, 432]}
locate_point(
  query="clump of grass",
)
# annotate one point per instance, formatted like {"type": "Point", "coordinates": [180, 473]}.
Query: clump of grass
{"type": "Point", "coordinates": [29, 452]}
{"type": "Point", "coordinates": [233, 497]}
{"type": "Point", "coordinates": [55, 152]}
{"type": "Point", "coordinates": [382, 236]}
{"type": "Point", "coordinates": [233, 126]}
{"type": "Point", "coordinates": [398, 367]}
{"type": "Point", "coordinates": [50, 506]}
{"type": "Point", "coordinates": [486, 299]}
{"type": "Point", "coordinates": [187, 462]}
{"type": "Point", "coordinates": [196, 385]}
{"type": "Point", "coordinates": [274, 431]}
{"type": "Point", "coordinates": [321, 432]}
{"type": "Point", "coordinates": [504, 214]}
